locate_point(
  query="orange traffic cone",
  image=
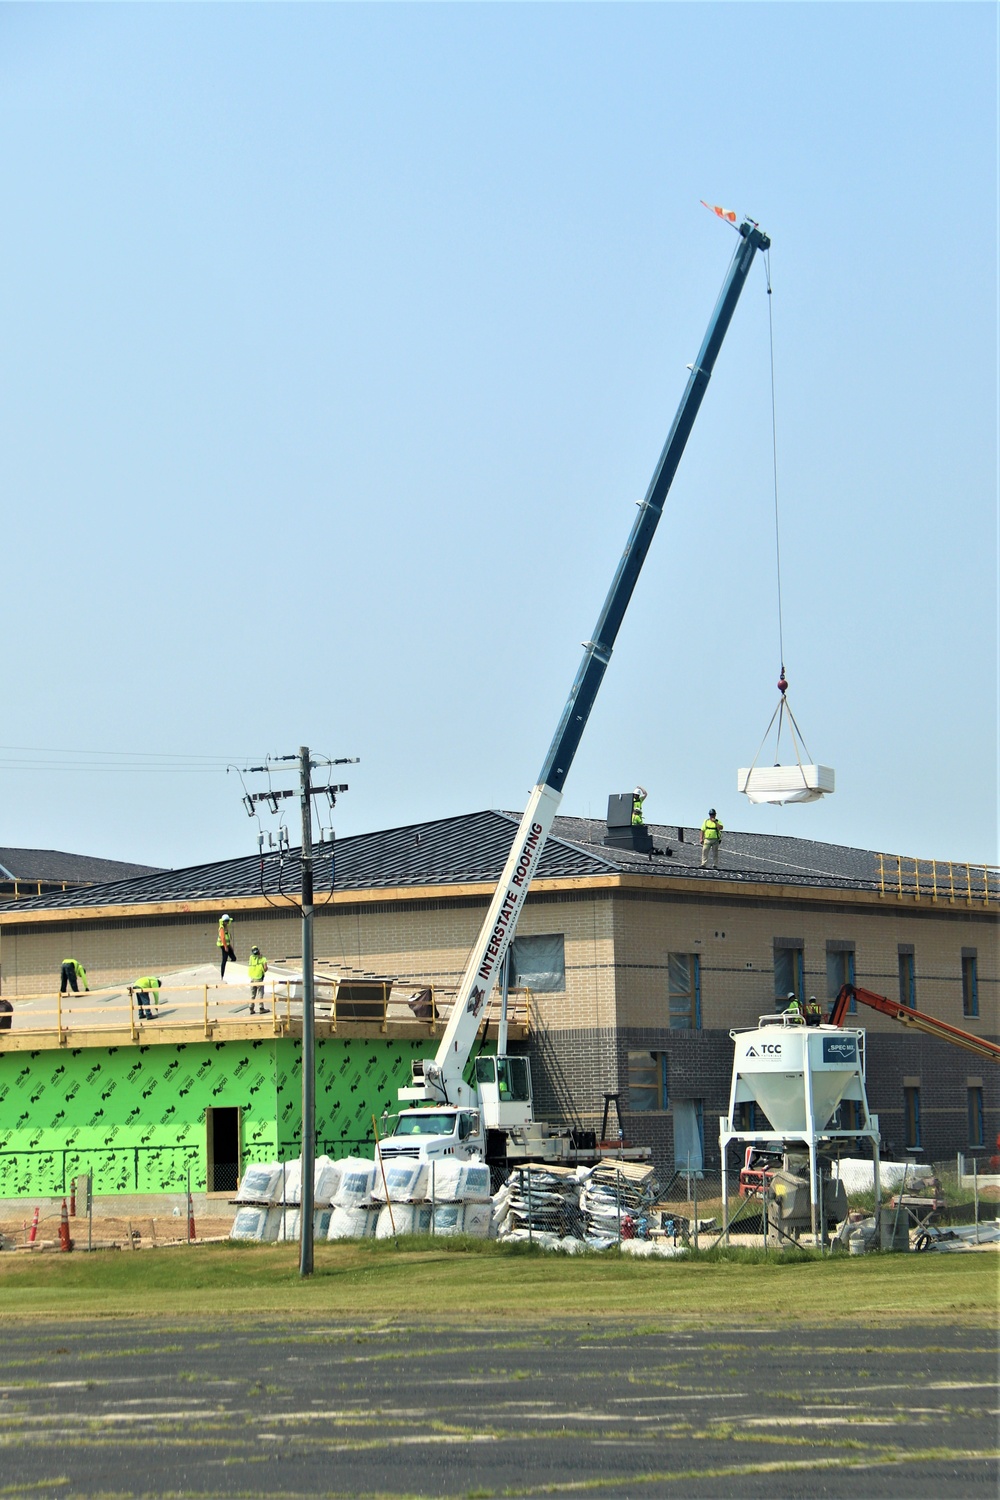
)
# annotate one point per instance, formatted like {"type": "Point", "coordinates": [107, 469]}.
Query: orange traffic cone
{"type": "Point", "coordinates": [34, 1228]}
{"type": "Point", "coordinates": [65, 1243]}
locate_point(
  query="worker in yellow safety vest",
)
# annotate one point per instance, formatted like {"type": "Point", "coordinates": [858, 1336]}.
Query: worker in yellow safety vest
{"type": "Point", "coordinates": [638, 798]}
{"type": "Point", "coordinates": [225, 941]}
{"type": "Point", "coordinates": [257, 968]}
{"type": "Point", "coordinates": [70, 972]}
{"type": "Point", "coordinates": [711, 838]}
{"type": "Point", "coordinates": [148, 994]}
{"type": "Point", "coordinates": [793, 1008]}
{"type": "Point", "coordinates": [813, 1013]}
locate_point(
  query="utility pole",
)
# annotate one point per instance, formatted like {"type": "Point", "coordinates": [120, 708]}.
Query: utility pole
{"type": "Point", "coordinates": [307, 1199]}
{"type": "Point", "coordinates": [308, 1027]}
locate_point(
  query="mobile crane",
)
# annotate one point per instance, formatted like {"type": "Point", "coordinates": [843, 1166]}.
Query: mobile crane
{"type": "Point", "coordinates": [919, 1020]}
{"type": "Point", "coordinates": [492, 1114]}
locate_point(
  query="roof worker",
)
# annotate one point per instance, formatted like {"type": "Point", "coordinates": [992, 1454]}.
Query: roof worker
{"type": "Point", "coordinates": [225, 941]}
{"type": "Point", "coordinates": [6, 1014]}
{"type": "Point", "coordinates": [257, 967]}
{"type": "Point", "coordinates": [148, 995]}
{"type": "Point", "coordinates": [814, 1014]}
{"type": "Point", "coordinates": [711, 838]}
{"type": "Point", "coordinates": [70, 972]}
{"type": "Point", "coordinates": [638, 798]}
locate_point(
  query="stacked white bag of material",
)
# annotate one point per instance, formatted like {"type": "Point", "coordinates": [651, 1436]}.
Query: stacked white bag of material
{"type": "Point", "coordinates": [256, 1223]}
{"type": "Point", "coordinates": [401, 1182]}
{"type": "Point", "coordinates": [355, 1213]}
{"type": "Point", "coordinates": [261, 1184]}
{"type": "Point", "coordinates": [403, 1218]}
{"type": "Point", "coordinates": [352, 1223]}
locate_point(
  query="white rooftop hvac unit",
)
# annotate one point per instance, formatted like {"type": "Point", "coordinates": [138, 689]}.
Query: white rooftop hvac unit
{"type": "Point", "coordinates": [780, 784]}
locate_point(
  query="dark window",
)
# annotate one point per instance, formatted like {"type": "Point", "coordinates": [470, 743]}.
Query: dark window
{"type": "Point", "coordinates": [684, 990]}
{"type": "Point", "coordinates": [538, 963]}
{"type": "Point", "coordinates": [749, 1117]}
{"type": "Point", "coordinates": [840, 971]}
{"type": "Point", "coordinates": [911, 1117]}
{"type": "Point", "coordinates": [907, 978]}
{"type": "Point", "coordinates": [789, 974]}
{"type": "Point", "coordinates": [647, 1081]}
{"type": "Point", "coordinates": [848, 1116]}
{"type": "Point", "coordinates": [970, 985]}
{"type": "Point", "coordinates": [976, 1132]}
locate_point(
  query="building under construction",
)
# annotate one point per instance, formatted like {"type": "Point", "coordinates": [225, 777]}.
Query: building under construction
{"type": "Point", "coordinates": [630, 965]}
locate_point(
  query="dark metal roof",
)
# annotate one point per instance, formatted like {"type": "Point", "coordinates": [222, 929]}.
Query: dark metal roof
{"type": "Point", "coordinates": [54, 864]}
{"type": "Point", "coordinates": [449, 851]}
{"type": "Point", "coordinates": [743, 856]}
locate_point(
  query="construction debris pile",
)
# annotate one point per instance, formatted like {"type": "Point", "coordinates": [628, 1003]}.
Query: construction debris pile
{"type": "Point", "coordinates": [565, 1208]}
{"type": "Point", "coordinates": [616, 1201]}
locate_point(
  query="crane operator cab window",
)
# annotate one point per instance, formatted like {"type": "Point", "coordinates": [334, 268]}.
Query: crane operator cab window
{"type": "Point", "coordinates": [510, 1074]}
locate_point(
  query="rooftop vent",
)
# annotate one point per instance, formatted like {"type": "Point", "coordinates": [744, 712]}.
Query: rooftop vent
{"type": "Point", "coordinates": [621, 834]}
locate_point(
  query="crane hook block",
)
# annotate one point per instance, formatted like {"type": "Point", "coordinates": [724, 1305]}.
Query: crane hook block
{"type": "Point", "coordinates": [782, 683]}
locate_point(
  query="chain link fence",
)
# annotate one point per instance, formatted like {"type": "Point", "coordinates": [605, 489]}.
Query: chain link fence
{"type": "Point", "coordinates": [920, 1205]}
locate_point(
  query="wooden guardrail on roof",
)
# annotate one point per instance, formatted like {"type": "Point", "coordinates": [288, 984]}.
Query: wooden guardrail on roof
{"type": "Point", "coordinates": [903, 877]}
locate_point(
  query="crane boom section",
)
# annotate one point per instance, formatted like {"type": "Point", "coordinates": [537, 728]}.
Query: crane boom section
{"type": "Point", "coordinates": [442, 1079]}
{"type": "Point", "coordinates": [597, 651]}
{"type": "Point", "coordinates": [919, 1020]}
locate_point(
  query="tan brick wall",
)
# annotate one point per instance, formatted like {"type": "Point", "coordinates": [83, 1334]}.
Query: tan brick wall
{"type": "Point", "coordinates": [735, 944]}
{"type": "Point", "coordinates": [616, 947]}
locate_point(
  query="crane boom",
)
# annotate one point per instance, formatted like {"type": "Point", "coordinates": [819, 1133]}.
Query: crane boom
{"type": "Point", "coordinates": [442, 1078]}
{"type": "Point", "coordinates": [919, 1020]}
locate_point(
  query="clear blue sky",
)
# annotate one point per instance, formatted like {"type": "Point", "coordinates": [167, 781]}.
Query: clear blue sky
{"type": "Point", "coordinates": [338, 343]}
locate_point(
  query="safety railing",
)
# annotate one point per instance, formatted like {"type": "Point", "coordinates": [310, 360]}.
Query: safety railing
{"type": "Point", "coordinates": [209, 1008]}
{"type": "Point", "coordinates": [21, 890]}
{"type": "Point", "coordinates": [904, 877]}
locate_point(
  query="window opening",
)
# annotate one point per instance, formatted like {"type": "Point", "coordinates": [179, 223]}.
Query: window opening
{"type": "Point", "coordinates": [911, 1118]}
{"type": "Point", "coordinates": [907, 978]}
{"type": "Point", "coordinates": [840, 971]}
{"type": "Point", "coordinates": [684, 990]}
{"type": "Point", "coordinates": [789, 972]}
{"type": "Point", "coordinates": [970, 985]}
{"type": "Point", "coordinates": [976, 1124]}
{"type": "Point", "coordinates": [647, 1081]}
{"type": "Point", "coordinates": [538, 963]}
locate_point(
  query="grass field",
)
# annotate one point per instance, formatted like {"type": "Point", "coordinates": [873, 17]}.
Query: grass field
{"type": "Point", "coordinates": [421, 1280]}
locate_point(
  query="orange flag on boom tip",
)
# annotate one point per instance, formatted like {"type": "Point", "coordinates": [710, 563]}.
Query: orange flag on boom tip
{"type": "Point", "coordinates": [723, 213]}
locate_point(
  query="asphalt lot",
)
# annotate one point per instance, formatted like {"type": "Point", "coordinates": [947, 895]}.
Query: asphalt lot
{"type": "Point", "coordinates": [291, 1409]}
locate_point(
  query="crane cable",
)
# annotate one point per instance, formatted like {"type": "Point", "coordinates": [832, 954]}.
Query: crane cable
{"type": "Point", "coordinates": [784, 707]}
{"type": "Point", "coordinates": [774, 468]}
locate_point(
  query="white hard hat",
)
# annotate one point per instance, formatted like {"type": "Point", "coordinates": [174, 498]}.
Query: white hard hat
{"type": "Point", "coordinates": [225, 917]}
{"type": "Point", "coordinates": [640, 791]}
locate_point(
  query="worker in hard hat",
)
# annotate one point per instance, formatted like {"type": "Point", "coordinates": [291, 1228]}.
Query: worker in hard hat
{"type": "Point", "coordinates": [225, 941]}
{"type": "Point", "coordinates": [793, 1008]}
{"type": "Point", "coordinates": [147, 992]}
{"type": "Point", "coordinates": [711, 838]}
{"type": "Point", "coordinates": [638, 798]}
{"type": "Point", "coordinates": [257, 968]}
{"type": "Point", "coordinates": [70, 972]}
{"type": "Point", "coordinates": [814, 1014]}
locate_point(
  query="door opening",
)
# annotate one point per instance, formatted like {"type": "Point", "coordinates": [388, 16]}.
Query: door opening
{"type": "Point", "coordinates": [222, 1153]}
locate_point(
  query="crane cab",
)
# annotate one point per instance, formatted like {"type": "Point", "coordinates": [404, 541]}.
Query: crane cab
{"type": "Point", "coordinates": [504, 1087]}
